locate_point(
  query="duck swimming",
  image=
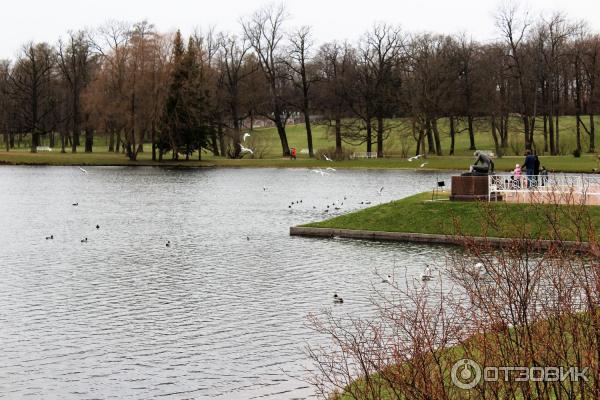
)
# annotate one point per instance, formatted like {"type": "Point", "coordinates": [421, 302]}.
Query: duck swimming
{"type": "Point", "coordinates": [427, 274]}
{"type": "Point", "coordinates": [337, 299]}
{"type": "Point", "coordinates": [168, 243]}
{"type": "Point", "coordinates": [51, 237]}
{"type": "Point", "coordinates": [84, 240]}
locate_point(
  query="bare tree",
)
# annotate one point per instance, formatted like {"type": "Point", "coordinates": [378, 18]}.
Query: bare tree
{"type": "Point", "coordinates": [32, 85]}
{"type": "Point", "coordinates": [379, 53]}
{"type": "Point", "coordinates": [234, 71]}
{"type": "Point", "coordinates": [303, 75]}
{"type": "Point", "coordinates": [514, 28]}
{"type": "Point", "coordinates": [265, 33]}
{"type": "Point", "coordinates": [74, 64]}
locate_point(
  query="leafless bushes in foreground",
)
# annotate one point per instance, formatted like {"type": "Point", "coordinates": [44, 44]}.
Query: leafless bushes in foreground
{"type": "Point", "coordinates": [528, 303]}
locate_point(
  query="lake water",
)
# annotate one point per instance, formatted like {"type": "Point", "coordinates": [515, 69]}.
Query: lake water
{"type": "Point", "coordinates": [214, 315]}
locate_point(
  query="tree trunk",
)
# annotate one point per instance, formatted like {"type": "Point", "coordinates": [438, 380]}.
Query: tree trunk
{"type": "Point", "coordinates": [75, 140]}
{"type": "Point", "coordinates": [111, 141]}
{"type": "Point", "coordinates": [420, 141]}
{"type": "Point", "coordinates": [526, 126]}
{"type": "Point", "coordinates": [495, 137]}
{"type": "Point", "coordinates": [430, 142]}
{"type": "Point", "coordinates": [380, 136]}
{"type": "Point", "coordinates": [7, 141]}
{"type": "Point", "coordinates": [309, 140]}
{"type": "Point", "coordinates": [221, 138]}
{"type": "Point", "coordinates": [592, 134]}
{"type": "Point", "coordinates": [214, 143]}
{"type": "Point", "coordinates": [338, 136]}
{"type": "Point", "coordinates": [63, 142]}
{"type": "Point", "coordinates": [545, 119]}
{"type": "Point", "coordinates": [89, 140]}
{"type": "Point", "coordinates": [35, 141]}
{"type": "Point", "coordinates": [153, 139]}
{"type": "Point", "coordinates": [551, 135]}
{"type": "Point", "coordinates": [471, 133]}
{"type": "Point", "coordinates": [369, 135]}
{"type": "Point", "coordinates": [436, 136]}
{"type": "Point", "coordinates": [452, 135]}
{"type": "Point", "coordinates": [557, 144]}
{"type": "Point", "coordinates": [118, 142]}
{"type": "Point", "coordinates": [504, 132]}
{"type": "Point", "coordinates": [282, 136]}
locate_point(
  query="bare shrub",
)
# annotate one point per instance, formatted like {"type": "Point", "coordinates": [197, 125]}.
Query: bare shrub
{"type": "Point", "coordinates": [527, 302]}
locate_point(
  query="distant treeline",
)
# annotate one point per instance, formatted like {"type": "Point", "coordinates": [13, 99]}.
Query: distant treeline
{"type": "Point", "coordinates": [137, 85]}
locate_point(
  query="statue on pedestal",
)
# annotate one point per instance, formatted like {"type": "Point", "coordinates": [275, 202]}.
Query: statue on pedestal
{"type": "Point", "coordinates": [483, 165]}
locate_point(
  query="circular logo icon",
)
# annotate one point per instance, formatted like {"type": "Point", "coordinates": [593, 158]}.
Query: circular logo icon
{"type": "Point", "coordinates": [466, 374]}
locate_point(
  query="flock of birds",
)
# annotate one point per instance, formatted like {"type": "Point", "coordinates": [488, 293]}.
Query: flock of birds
{"type": "Point", "coordinates": [336, 205]}
{"type": "Point", "coordinates": [426, 276]}
{"type": "Point", "coordinates": [418, 156]}
{"type": "Point", "coordinates": [244, 150]}
{"type": "Point", "coordinates": [85, 239]}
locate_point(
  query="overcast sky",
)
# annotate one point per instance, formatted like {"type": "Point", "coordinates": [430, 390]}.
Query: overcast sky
{"type": "Point", "coordinates": [43, 20]}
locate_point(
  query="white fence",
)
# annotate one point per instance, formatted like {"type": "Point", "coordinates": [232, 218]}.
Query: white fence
{"type": "Point", "coordinates": [556, 188]}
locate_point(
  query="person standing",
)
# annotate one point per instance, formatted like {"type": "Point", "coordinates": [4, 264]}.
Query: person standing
{"type": "Point", "coordinates": [529, 165]}
{"type": "Point", "coordinates": [544, 176]}
{"type": "Point", "coordinates": [517, 176]}
{"type": "Point", "coordinates": [536, 169]}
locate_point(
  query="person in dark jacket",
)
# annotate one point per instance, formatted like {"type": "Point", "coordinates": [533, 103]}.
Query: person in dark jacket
{"type": "Point", "coordinates": [529, 166]}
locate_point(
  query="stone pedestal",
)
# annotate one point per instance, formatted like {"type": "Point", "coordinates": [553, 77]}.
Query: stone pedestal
{"type": "Point", "coordinates": [469, 188]}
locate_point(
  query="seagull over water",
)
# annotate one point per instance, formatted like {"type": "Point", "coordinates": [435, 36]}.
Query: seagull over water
{"type": "Point", "coordinates": [83, 170]}
{"type": "Point", "coordinates": [380, 191]}
{"type": "Point", "coordinates": [331, 169]}
{"type": "Point", "coordinates": [318, 171]}
{"type": "Point", "coordinates": [245, 149]}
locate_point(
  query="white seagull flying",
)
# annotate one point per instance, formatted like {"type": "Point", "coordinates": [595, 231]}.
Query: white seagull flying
{"type": "Point", "coordinates": [245, 149]}
{"type": "Point", "coordinates": [246, 135]}
{"type": "Point", "coordinates": [318, 171]}
{"type": "Point", "coordinates": [411, 159]}
{"type": "Point", "coordinates": [83, 170]}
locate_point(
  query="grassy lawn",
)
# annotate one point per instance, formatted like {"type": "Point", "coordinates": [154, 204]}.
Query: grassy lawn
{"type": "Point", "coordinates": [100, 156]}
{"type": "Point", "coordinates": [418, 214]}
{"type": "Point", "coordinates": [266, 142]}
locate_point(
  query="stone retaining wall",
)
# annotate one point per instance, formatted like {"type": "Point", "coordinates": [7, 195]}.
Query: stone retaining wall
{"type": "Point", "coordinates": [412, 237]}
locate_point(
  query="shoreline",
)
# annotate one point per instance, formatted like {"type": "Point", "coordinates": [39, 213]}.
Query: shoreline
{"type": "Point", "coordinates": [428, 238]}
{"type": "Point", "coordinates": [435, 164]}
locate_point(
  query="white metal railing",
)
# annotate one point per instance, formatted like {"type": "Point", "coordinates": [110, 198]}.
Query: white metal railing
{"type": "Point", "coordinates": [560, 187]}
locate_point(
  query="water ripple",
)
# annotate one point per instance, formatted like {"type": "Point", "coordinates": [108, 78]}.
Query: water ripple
{"type": "Point", "coordinates": [214, 314]}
